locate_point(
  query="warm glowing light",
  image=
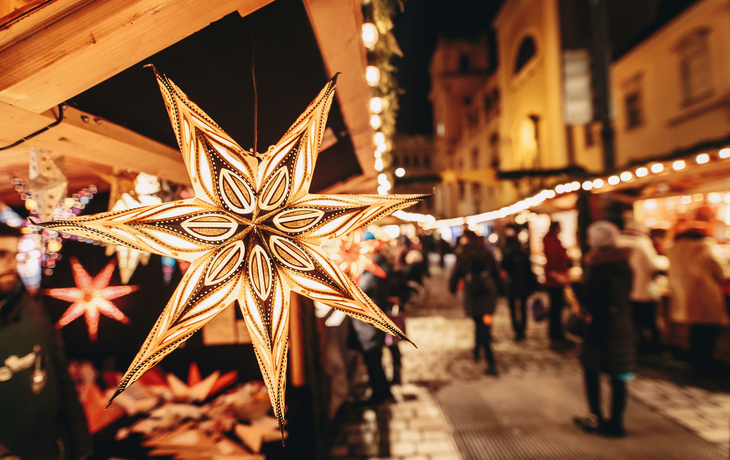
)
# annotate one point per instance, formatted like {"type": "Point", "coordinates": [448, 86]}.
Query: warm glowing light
{"type": "Point", "coordinates": [378, 154]}
{"type": "Point", "coordinates": [626, 176]}
{"type": "Point", "coordinates": [685, 199]}
{"type": "Point", "coordinates": [724, 153]}
{"type": "Point", "coordinates": [382, 147]}
{"type": "Point", "coordinates": [69, 202]}
{"type": "Point", "coordinates": [376, 104]}
{"type": "Point", "coordinates": [372, 75]}
{"type": "Point", "coordinates": [54, 246]}
{"type": "Point", "coordinates": [587, 185]}
{"type": "Point", "coordinates": [650, 205]}
{"type": "Point", "coordinates": [493, 238]}
{"type": "Point", "coordinates": [613, 180]}
{"type": "Point", "coordinates": [375, 121]}
{"type": "Point", "coordinates": [679, 164]}
{"type": "Point", "coordinates": [400, 172]}
{"type": "Point", "coordinates": [370, 35]}
{"type": "Point", "coordinates": [379, 164]}
{"type": "Point", "coordinates": [574, 185]}
{"type": "Point", "coordinates": [657, 168]}
{"type": "Point", "coordinates": [598, 183]}
{"type": "Point", "coordinates": [31, 204]}
{"type": "Point", "coordinates": [382, 179]}
{"type": "Point", "coordinates": [379, 138]}
{"type": "Point", "coordinates": [714, 197]}
{"type": "Point", "coordinates": [560, 188]}
{"type": "Point", "coordinates": [641, 172]}
{"type": "Point", "coordinates": [549, 194]}
{"type": "Point", "coordinates": [702, 158]}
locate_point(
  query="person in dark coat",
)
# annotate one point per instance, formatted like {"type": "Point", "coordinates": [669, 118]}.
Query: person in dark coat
{"type": "Point", "coordinates": [40, 414]}
{"type": "Point", "coordinates": [556, 277]}
{"type": "Point", "coordinates": [516, 263]}
{"type": "Point", "coordinates": [610, 342]}
{"type": "Point", "coordinates": [475, 265]}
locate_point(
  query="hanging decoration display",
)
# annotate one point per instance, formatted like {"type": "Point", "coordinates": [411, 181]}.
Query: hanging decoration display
{"type": "Point", "coordinates": [252, 233]}
{"type": "Point", "coordinates": [47, 185]}
{"type": "Point", "coordinates": [91, 297]}
{"type": "Point", "coordinates": [352, 254]}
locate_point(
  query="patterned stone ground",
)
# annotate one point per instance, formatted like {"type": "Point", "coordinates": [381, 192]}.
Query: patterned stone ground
{"type": "Point", "coordinates": [414, 426]}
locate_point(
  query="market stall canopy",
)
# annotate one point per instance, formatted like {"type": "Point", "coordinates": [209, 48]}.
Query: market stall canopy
{"type": "Point", "coordinates": [91, 55]}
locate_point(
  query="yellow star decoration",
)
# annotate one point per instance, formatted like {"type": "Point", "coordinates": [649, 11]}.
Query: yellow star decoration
{"type": "Point", "coordinates": [91, 297]}
{"type": "Point", "coordinates": [252, 233]}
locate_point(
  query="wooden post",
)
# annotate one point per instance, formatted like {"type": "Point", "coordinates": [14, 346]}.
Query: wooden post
{"type": "Point", "coordinates": [296, 343]}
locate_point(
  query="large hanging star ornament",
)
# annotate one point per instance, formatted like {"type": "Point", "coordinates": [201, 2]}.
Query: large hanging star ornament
{"type": "Point", "coordinates": [252, 233]}
{"type": "Point", "coordinates": [91, 297]}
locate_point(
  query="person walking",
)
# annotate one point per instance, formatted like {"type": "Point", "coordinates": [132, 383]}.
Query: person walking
{"type": "Point", "coordinates": [476, 265]}
{"type": "Point", "coordinates": [610, 341]}
{"type": "Point", "coordinates": [697, 299]}
{"type": "Point", "coordinates": [516, 264]}
{"type": "Point", "coordinates": [556, 277]}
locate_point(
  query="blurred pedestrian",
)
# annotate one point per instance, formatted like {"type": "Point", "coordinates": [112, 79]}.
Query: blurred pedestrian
{"type": "Point", "coordinates": [41, 414]}
{"type": "Point", "coordinates": [609, 344]}
{"type": "Point", "coordinates": [697, 299]}
{"type": "Point", "coordinates": [516, 263]}
{"type": "Point", "coordinates": [556, 278]}
{"type": "Point", "coordinates": [476, 266]}
{"type": "Point", "coordinates": [645, 263]}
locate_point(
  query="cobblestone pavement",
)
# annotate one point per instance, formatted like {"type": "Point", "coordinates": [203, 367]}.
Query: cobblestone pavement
{"type": "Point", "coordinates": [443, 368]}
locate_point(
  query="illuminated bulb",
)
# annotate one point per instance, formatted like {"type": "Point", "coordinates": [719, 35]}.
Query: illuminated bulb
{"type": "Point", "coordinates": [68, 202]}
{"type": "Point", "coordinates": [54, 246]}
{"type": "Point", "coordinates": [372, 75]}
{"type": "Point", "coordinates": [714, 197]}
{"type": "Point", "coordinates": [379, 164]}
{"type": "Point", "coordinates": [724, 153]}
{"type": "Point", "coordinates": [376, 104]}
{"type": "Point", "coordinates": [641, 172]}
{"type": "Point", "coordinates": [386, 185]}
{"type": "Point", "coordinates": [382, 190]}
{"type": "Point", "coordinates": [613, 180]}
{"type": "Point", "coordinates": [382, 147]}
{"type": "Point", "coordinates": [574, 185]}
{"type": "Point", "coordinates": [657, 168]}
{"type": "Point", "coordinates": [598, 183]}
{"type": "Point", "coordinates": [375, 121]}
{"type": "Point", "coordinates": [679, 164]}
{"type": "Point", "coordinates": [685, 199]}
{"type": "Point", "coordinates": [370, 35]}
{"type": "Point", "coordinates": [378, 154]}
{"type": "Point", "coordinates": [560, 188]}
{"type": "Point", "coordinates": [379, 138]}
{"type": "Point", "coordinates": [400, 172]}
{"type": "Point", "coordinates": [31, 204]}
{"type": "Point", "coordinates": [493, 238]}
{"type": "Point", "coordinates": [550, 194]}
{"type": "Point", "coordinates": [587, 185]}
{"type": "Point", "coordinates": [702, 158]}
{"type": "Point", "coordinates": [382, 179]}
{"type": "Point", "coordinates": [626, 176]}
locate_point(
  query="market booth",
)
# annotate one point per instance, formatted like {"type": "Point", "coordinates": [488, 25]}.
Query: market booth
{"type": "Point", "coordinates": [79, 112]}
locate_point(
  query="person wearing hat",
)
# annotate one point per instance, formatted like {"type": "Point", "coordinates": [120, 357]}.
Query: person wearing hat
{"type": "Point", "coordinates": [40, 415]}
{"type": "Point", "coordinates": [610, 341]}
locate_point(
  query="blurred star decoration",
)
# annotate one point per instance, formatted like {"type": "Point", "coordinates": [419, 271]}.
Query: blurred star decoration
{"type": "Point", "coordinates": [47, 185]}
{"type": "Point", "coordinates": [91, 297]}
{"type": "Point", "coordinates": [252, 233]}
{"type": "Point", "coordinates": [352, 253]}
{"type": "Point", "coordinates": [129, 191]}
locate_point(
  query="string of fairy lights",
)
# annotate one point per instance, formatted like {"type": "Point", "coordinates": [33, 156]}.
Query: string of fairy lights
{"type": "Point", "coordinates": [381, 46]}
{"type": "Point", "coordinates": [593, 185]}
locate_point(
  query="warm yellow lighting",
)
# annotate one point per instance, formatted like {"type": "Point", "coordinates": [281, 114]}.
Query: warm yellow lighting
{"type": "Point", "coordinates": [375, 121]}
{"type": "Point", "coordinates": [378, 154]}
{"type": "Point", "coordinates": [560, 188]}
{"type": "Point", "coordinates": [613, 180]}
{"type": "Point", "coordinates": [370, 35]}
{"type": "Point", "coordinates": [31, 204]}
{"type": "Point", "coordinates": [657, 168]}
{"type": "Point", "coordinates": [702, 158]}
{"type": "Point", "coordinates": [376, 104]}
{"type": "Point", "coordinates": [685, 199]}
{"type": "Point", "coordinates": [550, 194]}
{"type": "Point", "coordinates": [575, 185]}
{"type": "Point", "coordinates": [598, 183]}
{"type": "Point", "coordinates": [379, 138]}
{"type": "Point", "coordinates": [382, 147]}
{"type": "Point", "coordinates": [714, 197]}
{"type": "Point", "coordinates": [641, 172]}
{"type": "Point", "coordinates": [587, 185]}
{"type": "Point", "coordinates": [724, 153]}
{"type": "Point", "coordinates": [679, 164]}
{"type": "Point", "coordinates": [400, 172]}
{"type": "Point", "coordinates": [69, 202]}
{"type": "Point", "coordinates": [372, 75]}
{"type": "Point", "coordinates": [626, 176]}
{"type": "Point", "coordinates": [379, 164]}
{"type": "Point", "coordinates": [382, 179]}
{"type": "Point", "coordinates": [54, 246]}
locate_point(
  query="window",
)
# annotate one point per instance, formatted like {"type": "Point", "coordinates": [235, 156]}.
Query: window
{"type": "Point", "coordinates": [633, 110]}
{"type": "Point", "coordinates": [406, 160]}
{"type": "Point", "coordinates": [462, 190]}
{"type": "Point", "coordinates": [464, 63]}
{"type": "Point", "coordinates": [695, 66]}
{"type": "Point", "coordinates": [588, 134]}
{"type": "Point", "coordinates": [416, 161]}
{"type": "Point", "coordinates": [526, 52]}
{"type": "Point", "coordinates": [427, 161]}
{"type": "Point", "coordinates": [475, 158]}
{"type": "Point", "coordinates": [395, 160]}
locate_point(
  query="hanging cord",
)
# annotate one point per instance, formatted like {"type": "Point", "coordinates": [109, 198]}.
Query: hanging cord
{"type": "Point", "coordinates": [30, 136]}
{"type": "Point", "coordinates": [255, 92]}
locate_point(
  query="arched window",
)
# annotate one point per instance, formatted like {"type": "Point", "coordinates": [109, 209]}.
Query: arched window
{"type": "Point", "coordinates": [526, 52]}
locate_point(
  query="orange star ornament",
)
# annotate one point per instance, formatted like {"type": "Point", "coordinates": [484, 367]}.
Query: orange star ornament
{"type": "Point", "coordinates": [91, 297]}
{"type": "Point", "coordinates": [351, 254]}
{"type": "Point", "coordinates": [252, 233]}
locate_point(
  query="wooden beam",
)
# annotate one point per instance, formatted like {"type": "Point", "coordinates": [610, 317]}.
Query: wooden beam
{"type": "Point", "coordinates": [337, 25]}
{"type": "Point", "coordinates": [95, 42]}
{"type": "Point", "coordinates": [93, 139]}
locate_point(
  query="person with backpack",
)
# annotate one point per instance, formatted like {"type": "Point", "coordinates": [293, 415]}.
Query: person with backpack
{"type": "Point", "coordinates": [520, 280]}
{"type": "Point", "coordinates": [476, 266]}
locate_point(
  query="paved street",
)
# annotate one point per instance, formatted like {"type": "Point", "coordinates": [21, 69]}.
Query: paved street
{"type": "Point", "coordinates": [448, 408]}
